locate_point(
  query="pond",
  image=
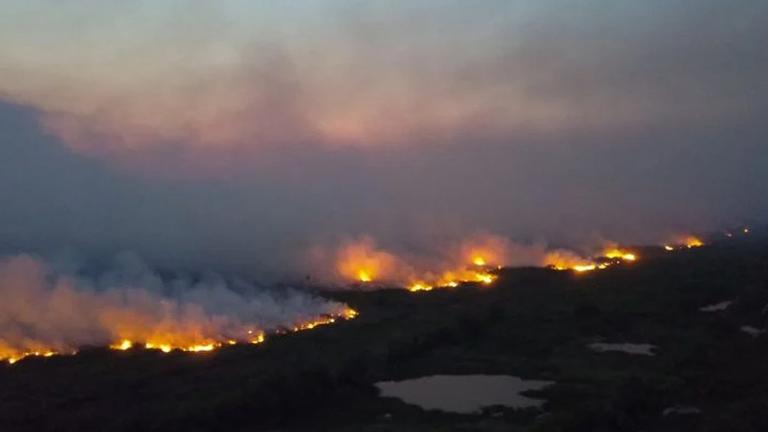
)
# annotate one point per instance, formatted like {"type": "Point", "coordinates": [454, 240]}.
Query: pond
{"type": "Point", "coordinates": [629, 348]}
{"type": "Point", "coordinates": [464, 393]}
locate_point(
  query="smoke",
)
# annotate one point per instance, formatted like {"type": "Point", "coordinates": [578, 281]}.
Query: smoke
{"type": "Point", "coordinates": [58, 307]}
{"type": "Point", "coordinates": [217, 136]}
{"type": "Point", "coordinates": [362, 263]}
{"type": "Point", "coordinates": [201, 89]}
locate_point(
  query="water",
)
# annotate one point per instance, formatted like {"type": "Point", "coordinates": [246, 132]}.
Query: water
{"type": "Point", "coordinates": [464, 393]}
{"type": "Point", "coordinates": [629, 348]}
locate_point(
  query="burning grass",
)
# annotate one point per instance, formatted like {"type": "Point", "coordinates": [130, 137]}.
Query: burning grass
{"type": "Point", "coordinates": [46, 312]}
{"type": "Point", "coordinates": [180, 342]}
{"type": "Point", "coordinates": [477, 261]}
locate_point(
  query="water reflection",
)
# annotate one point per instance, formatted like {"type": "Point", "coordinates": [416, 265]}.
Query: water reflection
{"type": "Point", "coordinates": [464, 393]}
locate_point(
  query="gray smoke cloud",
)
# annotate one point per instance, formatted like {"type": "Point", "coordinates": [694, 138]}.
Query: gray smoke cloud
{"type": "Point", "coordinates": [579, 122]}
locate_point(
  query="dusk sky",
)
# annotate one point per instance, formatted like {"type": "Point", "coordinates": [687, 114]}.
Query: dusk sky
{"type": "Point", "coordinates": [238, 135]}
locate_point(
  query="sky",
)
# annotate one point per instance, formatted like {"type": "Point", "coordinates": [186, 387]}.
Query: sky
{"type": "Point", "coordinates": [238, 135]}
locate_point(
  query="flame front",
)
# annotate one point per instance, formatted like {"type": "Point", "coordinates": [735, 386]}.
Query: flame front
{"type": "Point", "coordinates": [564, 260]}
{"type": "Point", "coordinates": [477, 260]}
{"type": "Point", "coordinates": [620, 254]}
{"type": "Point", "coordinates": [361, 261]}
{"type": "Point", "coordinates": [167, 343]}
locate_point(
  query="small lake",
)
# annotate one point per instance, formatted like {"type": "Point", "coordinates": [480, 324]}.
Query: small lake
{"type": "Point", "coordinates": [629, 348]}
{"type": "Point", "coordinates": [464, 394]}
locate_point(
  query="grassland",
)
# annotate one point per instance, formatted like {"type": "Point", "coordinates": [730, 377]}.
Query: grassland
{"type": "Point", "coordinates": [533, 323]}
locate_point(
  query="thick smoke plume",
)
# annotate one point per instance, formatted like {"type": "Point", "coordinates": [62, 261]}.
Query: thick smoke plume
{"type": "Point", "coordinates": [48, 309]}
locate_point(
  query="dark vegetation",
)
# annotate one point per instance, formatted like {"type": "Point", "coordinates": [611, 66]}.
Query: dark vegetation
{"type": "Point", "coordinates": [532, 323]}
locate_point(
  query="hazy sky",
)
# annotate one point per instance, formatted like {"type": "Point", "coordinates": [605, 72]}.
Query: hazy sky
{"type": "Point", "coordinates": [237, 134]}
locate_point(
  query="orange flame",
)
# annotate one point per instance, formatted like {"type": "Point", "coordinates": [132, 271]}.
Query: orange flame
{"type": "Point", "coordinates": [362, 261]}
{"type": "Point", "coordinates": [174, 342]}
{"type": "Point", "coordinates": [619, 254]}
{"type": "Point", "coordinates": [474, 261]}
{"type": "Point", "coordinates": [566, 260]}
{"type": "Point", "coordinates": [684, 242]}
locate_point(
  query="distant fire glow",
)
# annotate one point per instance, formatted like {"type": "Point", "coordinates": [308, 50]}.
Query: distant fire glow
{"type": "Point", "coordinates": [684, 242]}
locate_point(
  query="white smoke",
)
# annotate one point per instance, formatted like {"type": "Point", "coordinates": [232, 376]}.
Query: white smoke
{"type": "Point", "coordinates": [48, 308]}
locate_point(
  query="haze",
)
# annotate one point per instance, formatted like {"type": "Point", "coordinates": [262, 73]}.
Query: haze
{"type": "Point", "coordinates": [238, 135]}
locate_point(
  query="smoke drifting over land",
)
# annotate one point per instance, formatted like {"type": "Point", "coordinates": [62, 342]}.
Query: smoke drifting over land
{"type": "Point", "coordinates": [46, 309]}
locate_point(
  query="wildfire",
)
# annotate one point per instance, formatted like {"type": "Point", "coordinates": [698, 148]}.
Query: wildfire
{"type": "Point", "coordinates": [476, 271]}
{"type": "Point", "coordinates": [364, 276]}
{"type": "Point", "coordinates": [619, 254]}
{"type": "Point", "coordinates": [19, 356]}
{"type": "Point", "coordinates": [453, 279]}
{"type": "Point", "coordinates": [476, 261]}
{"type": "Point", "coordinates": [124, 344]}
{"type": "Point", "coordinates": [420, 286]}
{"type": "Point", "coordinates": [165, 344]}
{"type": "Point", "coordinates": [584, 267]}
{"type": "Point", "coordinates": [686, 242]}
{"type": "Point", "coordinates": [362, 261]}
{"type": "Point", "coordinates": [563, 260]}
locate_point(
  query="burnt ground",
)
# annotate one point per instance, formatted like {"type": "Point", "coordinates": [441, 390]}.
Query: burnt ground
{"type": "Point", "coordinates": [532, 323]}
